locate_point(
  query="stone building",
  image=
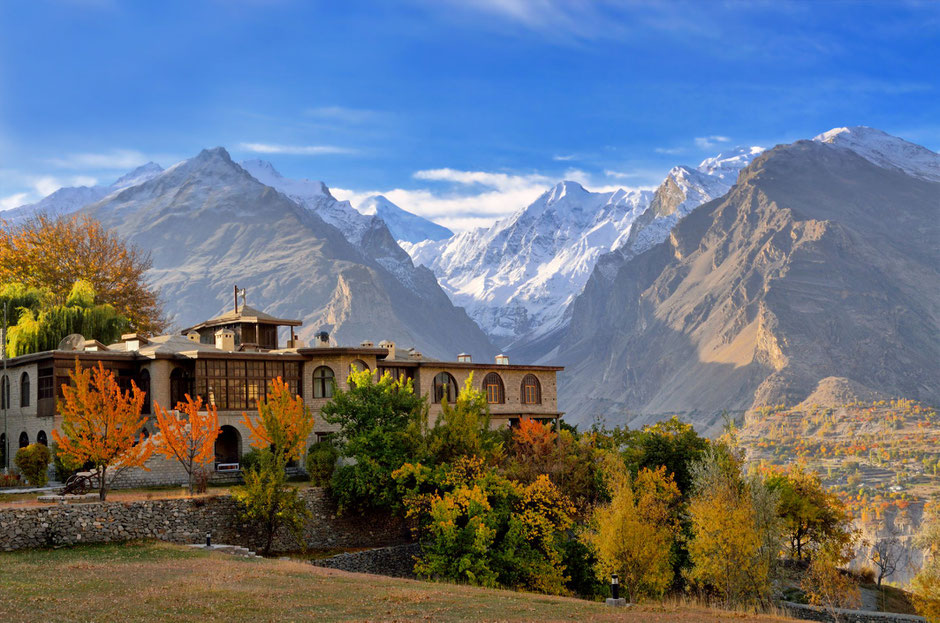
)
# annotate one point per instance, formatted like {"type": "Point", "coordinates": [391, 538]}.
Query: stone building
{"type": "Point", "coordinates": [229, 361]}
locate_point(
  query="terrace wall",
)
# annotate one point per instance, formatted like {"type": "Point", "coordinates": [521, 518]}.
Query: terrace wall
{"type": "Point", "coordinates": [187, 521]}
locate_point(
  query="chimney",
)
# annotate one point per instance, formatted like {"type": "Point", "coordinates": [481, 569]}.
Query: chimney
{"type": "Point", "coordinates": [193, 336]}
{"type": "Point", "coordinates": [321, 339]}
{"type": "Point", "coordinates": [502, 360]}
{"type": "Point", "coordinates": [464, 358]}
{"type": "Point", "coordinates": [225, 339]}
{"type": "Point", "coordinates": [133, 341]}
{"type": "Point", "coordinates": [390, 347]}
{"type": "Point", "coordinates": [366, 344]}
{"type": "Point", "coordinates": [295, 342]}
{"type": "Point", "coordinates": [414, 354]}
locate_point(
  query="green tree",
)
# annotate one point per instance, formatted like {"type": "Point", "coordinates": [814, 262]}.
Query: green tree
{"type": "Point", "coordinates": [671, 443]}
{"type": "Point", "coordinates": [32, 461]}
{"type": "Point", "coordinates": [463, 429]}
{"type": "Point", "coordinates": [381, 425]}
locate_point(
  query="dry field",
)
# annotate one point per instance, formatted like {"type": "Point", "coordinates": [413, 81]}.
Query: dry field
{"type": "Point", "coordinates": [149, 581]}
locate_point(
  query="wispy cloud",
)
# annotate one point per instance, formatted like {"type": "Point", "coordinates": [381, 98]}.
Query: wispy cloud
{"type": "Point", "coordinates": [708, 142]}
{"type": "Point", "coordinates": [498, 181]}
{"type": "Point", "coordinates": [114, 159]}
{"type": "Point", "coordinates": [670, 151]}
{"type": "Point", "coordinates": [342, 113]}
{"type": "Point", "coordinates": [563, 157]}
{"type": "Point", "coordinates": [295, 150]}
{"type": "Point", "coordinates": [13, 201]}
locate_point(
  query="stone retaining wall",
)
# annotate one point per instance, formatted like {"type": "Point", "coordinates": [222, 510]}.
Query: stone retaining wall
{"type": "Point", "coordinates": [188, 521]}
{"type": "Point", "coordinates": [397, 561]}
{"type": "Point", "coordinates": [815, 613]}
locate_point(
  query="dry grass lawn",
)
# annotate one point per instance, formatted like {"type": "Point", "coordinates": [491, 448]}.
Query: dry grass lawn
{"type": "Point", "coordinates": [155, 581]}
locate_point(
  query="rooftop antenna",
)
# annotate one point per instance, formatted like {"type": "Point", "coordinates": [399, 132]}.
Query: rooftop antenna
{"type": "Point", "coordinates": [239, 293]}
{"type": "Point", "coordinates": [236, 299]}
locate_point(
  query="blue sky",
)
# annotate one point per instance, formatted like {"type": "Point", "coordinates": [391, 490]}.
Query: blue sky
{"type": "Point", "coordinates": [462, 111]}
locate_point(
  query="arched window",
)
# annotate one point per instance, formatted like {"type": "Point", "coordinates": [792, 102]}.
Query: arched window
{"type": "Point", "coordinates": [359, 364]}
{"type": "Point", "coordinates": [323, 382]}
{"type": "Point", "coordinates": [5, 392]}
{"type": "Point", "coordinates": [3, 449]}
{"type": "Point", "coordinates": [41, 438]}
{"type": "Point", "coordinates": [24, 389]}
{"type": "Point", "coordinates": [24, 439]}
{"type": "Point", "coordinates": [531, 390]}
{"type": "Point", "coordinates": [445, 386]}
{"type": "Point", "coordinates": [145, 388]}
{"type": "Point", "coordinates": [228, 446]}
{"type": "Point", "coordinates": [494, 389]}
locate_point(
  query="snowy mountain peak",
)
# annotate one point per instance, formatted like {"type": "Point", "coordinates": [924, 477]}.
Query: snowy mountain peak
{"type": "Point", "coordinates": [261, 166]}
{"type": "Point", "coordinates": [729, 162]}
{"type": "Point", "coordinates": [138, 176]}
{"type": "Point", "coordinates": [566, 188]}
{"type": "Point", "coordinates": [885, 150]}
{"type": "Point", "coordinates": [404, 226]}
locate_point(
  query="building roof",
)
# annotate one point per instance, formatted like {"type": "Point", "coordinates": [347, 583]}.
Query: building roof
{"type": "Point", "coordinates": [244, 314]}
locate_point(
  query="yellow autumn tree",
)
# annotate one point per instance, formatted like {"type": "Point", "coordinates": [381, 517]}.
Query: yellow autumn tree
{"type": "Point", "coordinates": [102, 424]}
{"type": "Point", "coordinates": [188, 435]}
{"type": "Point", "coordinates": [283, 424]}
{"type": "Point", "coordinates": [632, 536]}
{"type": "Point", "coordinates": [53, 253]}
{"type": "Point", "coordinates": [735, 530]}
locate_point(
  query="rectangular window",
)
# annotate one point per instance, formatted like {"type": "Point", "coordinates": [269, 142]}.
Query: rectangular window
{"type": "Point", "coordinates": [256, 369]}
{"type": "Point", "coordinates": [274, 369]}
{"type": "Point", "coordinates": [216, 367]}
{"type": "Point", "coordinates": [236, 394]}
{"type": "Point", "coordinates": [255, 392]}
{"type": "Point", "coordinates": [201, 389]}
{"type": "Point", "coordinates": [236, 368]}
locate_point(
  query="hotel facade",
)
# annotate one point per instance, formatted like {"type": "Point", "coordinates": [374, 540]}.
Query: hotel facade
{"type": "Point", "coordinates": [229, 361]}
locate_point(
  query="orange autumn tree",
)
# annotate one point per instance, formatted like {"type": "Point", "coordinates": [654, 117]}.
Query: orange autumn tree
{"type": "Point", "coordinates": [102, 424]}
{"type": "Point", "coordinates": [189, 436]}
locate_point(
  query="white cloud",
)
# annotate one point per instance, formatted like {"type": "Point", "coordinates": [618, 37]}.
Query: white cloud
{"type": "Point", "coordinates": [295, 150]}
{"type": "Point", "coordinates": [707, 142]}
{"type": "Point", "coordinates": [563, 157]}
{"type": "Point", "coordinates": [670, 151]}
{"type": "Point", "coordinates": [475, 198]}
{"type": "Point", "coordinates": [13, 201]}
{"type": "Point", "coordinates": [115, 159]}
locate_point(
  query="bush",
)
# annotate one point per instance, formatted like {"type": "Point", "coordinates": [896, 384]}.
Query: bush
{"type": "Point", "coordinates": [321, 461]}
{"type": "Point", "coordinates": [63, 468]}
{"type": "Point", "coordinates": [10, 480]}
{"type": "Point", "coordinates": [250, 460]}
{"type": "Point", "coordinates": [33, 461]}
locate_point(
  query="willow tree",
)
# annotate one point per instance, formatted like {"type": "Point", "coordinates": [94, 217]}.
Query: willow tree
{"type": "Point", "coordinates": [41, 330]}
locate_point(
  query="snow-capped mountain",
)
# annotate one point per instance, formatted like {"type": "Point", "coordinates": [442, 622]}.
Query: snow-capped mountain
{"type": "Point", "coordinates": [404, 225]}
{"type": "Point", "coordinates": [208, 224]}
{"type": "Point", "coordinates": [885, 150]}
{"type": "Point", "coordinates": [683, 190]}
{"type": "Point", "coordinates": [72, 198]}
{"type": "Point", "coordinates": [517, 277]}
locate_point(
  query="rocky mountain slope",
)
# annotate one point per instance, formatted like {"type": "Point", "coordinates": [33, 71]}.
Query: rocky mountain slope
{"type": "Point", "coordinates": [821, 262]}
{"type": "Point", "coordinates": [72, 198]}
{"type": "Point", "coordinates": [517, 278]}
{"type": "Point", "coordinates": [210, 224]}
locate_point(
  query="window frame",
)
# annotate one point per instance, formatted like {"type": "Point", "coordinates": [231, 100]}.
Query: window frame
{"type": "Point", "coordinates": [323, 384]}
{"type": "Point", "coordinates": [495, 389]}
{"type": "Point", "coordinates": [535, 385]}
{"type": "Point", "coordinates": [437, 387]}
{"type": "Point", "coordinates": [24, 390]}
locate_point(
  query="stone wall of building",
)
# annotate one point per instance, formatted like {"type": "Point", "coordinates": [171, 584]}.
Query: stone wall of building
{"type": "Point", "coordinates": [188, 521]}
{"type": "Point", "coordinates": [815, 613]}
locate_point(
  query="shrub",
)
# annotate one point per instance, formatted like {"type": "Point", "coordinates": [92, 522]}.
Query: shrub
{"type": "Point", "coordinates": [10, 480]}
{"type": "Point", "coordinates": [250, 460]}
{"type": "Point", "coordinates": [321, 461]}
{"type": "Point", "coordinates": [33, 461]}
